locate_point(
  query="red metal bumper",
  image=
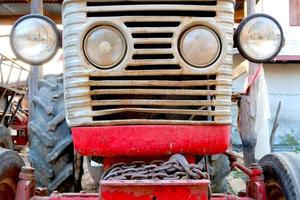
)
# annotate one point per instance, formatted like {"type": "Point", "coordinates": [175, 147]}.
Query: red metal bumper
{"type": "Point", "coordinates": [154, 190]}
{"type": "Point", "coordinates": [147, 190]}
{"type": "Point", "coordinates": [96, 197]}
{"type": "Point", "coordinates": [151, 141]}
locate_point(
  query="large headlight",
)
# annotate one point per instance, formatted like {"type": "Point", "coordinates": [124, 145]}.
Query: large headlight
{"type": "Point", "coordinates": [35, 39]}
{"type": "Point", "coordinates": [259, 38]}
{"type": "Point", "coordinates": [200, 46]}
{"type": "Point", "coordinates": [104, 47]}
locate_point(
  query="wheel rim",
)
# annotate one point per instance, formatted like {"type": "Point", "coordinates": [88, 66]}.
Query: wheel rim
{"type": "Point", "coordinates": [3, 145]}
{"type": "Point", "coordinates": [274, 190]}
{"type": "Point", "coordinates": [8, 189]}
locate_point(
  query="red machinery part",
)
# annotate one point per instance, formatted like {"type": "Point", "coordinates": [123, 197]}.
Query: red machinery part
{"type": "Point", "coordinates": [20, 125]}
{"type": "Point", "coordinates": [83, 196]}
{"type": "Point", "coordinates": [151, 141]}
{"type": "Point", "coordinates": [155, 190]}
{"type": "Point", "coordinates": [148, 189]}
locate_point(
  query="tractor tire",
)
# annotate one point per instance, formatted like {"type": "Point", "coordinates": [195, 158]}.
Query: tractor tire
{"type": "Point", "coordinates": [51, 150]}
{"type": "Point", "coordinates": [282, 175]}
{"type": "Point", "coordinates": [5, 138]}
{"type": "Point", "coordinates": [10, 167]}
{"type": "Point", "coordinates": [219, 168]}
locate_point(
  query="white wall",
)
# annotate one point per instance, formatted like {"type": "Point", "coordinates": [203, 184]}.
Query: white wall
{"type": "Point", "coordinates": [283, 80]}
{"type": "Point", "coordinates": [284, 85]}
{"type": "Point", "coordinates": [279, 9]}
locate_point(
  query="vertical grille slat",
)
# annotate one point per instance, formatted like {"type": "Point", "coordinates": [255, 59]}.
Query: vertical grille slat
{"type": "Point", "coordinates": [143, 2]}
{"type": "Point", "coordinates": [146, 50]}
{"type": "Point", "coordinates": [155, 102]}
{"type": "Point", "coordinates": [151, 26]}
{"type": "Point", "coordinates": [132, 13]}
{"type": "Point", "coordinates": [153, 46]}
{"type": "Point", "coordinates": [153, 40]}
{"type": "Point", "coordinates": [151, 8]}
{"type": "Point", "coordinates": [152, 35]}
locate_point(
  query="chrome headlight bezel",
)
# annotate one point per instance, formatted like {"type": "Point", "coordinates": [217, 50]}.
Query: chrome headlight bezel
{"type": "Point", "coordinates": [242, 50]}
{"type": "Point", "coordinates": [56, 32]}
{"type": "Point", "coordinates": [85, 47]}
{"type": "Point", "coordinates": [189, 60]}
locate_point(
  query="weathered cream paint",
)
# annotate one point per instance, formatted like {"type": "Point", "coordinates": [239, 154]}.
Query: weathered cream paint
{"type": "Point", "coordinates": [78, 70]}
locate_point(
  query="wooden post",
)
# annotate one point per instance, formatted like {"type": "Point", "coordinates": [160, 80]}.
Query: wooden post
{"type": "Point", "coordinates": [35, 71]}
{"type": "Point", "coordinates": [251, 4]}
{"type": "Point", "coordinates": [248, 104]}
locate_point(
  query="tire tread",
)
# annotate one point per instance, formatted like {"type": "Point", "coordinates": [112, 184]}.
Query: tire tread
{"type": "Point", "coordinates": [51, 149]}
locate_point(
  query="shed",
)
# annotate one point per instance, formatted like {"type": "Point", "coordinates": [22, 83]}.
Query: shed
{"type": "Point", "coordinates": [11, 10]}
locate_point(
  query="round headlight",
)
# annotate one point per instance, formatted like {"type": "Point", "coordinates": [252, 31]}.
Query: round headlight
{"type": "Point", "coordinates": [104, 47]}
{"type": "Point", "coordinates": [259, 38]}
{"type": "Point", "coordinates": [200, 46]}
{"type": "Point", "coordinates": [35, 39]}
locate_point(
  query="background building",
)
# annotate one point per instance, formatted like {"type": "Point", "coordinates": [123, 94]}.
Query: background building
{"type": "Point", "coordinates": [283, 75]}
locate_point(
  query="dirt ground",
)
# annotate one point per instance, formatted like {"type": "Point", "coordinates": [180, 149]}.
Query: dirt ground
{"type": "Point", "coordinates": [236, 179]}
{"type": "Point", "coordinates": [88, 184]}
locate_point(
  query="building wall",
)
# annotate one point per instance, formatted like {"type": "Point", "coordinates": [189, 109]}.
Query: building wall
{"type": "Point", "coordinates": [283, 82]}
{"type": "Point", "coordinates": [280, 10]}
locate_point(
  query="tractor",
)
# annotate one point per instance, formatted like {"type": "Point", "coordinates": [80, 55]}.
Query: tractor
{"type": "Point", "coordinates": [146, 95]}
{"type": "Point", "coordinates": [13, 116]}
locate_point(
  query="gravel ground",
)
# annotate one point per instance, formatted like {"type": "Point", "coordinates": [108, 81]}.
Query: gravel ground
{"type": "Point", "coordinates": [88, 185]}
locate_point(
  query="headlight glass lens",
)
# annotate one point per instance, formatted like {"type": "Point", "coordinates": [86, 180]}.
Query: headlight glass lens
{"type": "Point", "coordinates": [34, 40]}
{"type": "Point", "coordinates": [200, 46]}
{"type": "Point", "coordinates": [104, 47]}
{"type": "Point", "coordinates": [260, 38]}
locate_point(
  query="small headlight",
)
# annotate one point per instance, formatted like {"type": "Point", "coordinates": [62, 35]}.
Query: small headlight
{"type": "Point", "coordinates": [35, 39]}
{"type": "Point", "coordinates": [259, 38]}
{"type": "Point", "coordinates": [200, 46]}
{"type": "Point", "coordinates": [104, 47]}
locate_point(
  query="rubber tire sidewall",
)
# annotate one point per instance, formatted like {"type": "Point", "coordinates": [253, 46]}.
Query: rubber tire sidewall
{"type": "Point", "coordinates": [5, 138]}
{"type": "Point", "coordinates": [286, 167]}
{"type": "Point", "coordinates": [10, 166]}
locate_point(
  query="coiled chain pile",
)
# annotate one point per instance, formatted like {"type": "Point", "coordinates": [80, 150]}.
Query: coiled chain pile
{"type": "Point", "coordinates": [176, 168]}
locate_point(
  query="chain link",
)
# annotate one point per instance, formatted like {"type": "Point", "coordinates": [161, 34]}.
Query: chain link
{"type": "Point", "coordinates": [176, 168]}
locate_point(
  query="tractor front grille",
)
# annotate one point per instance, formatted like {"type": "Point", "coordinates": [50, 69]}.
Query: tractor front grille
{"type": "Point", "coordinates": [153, 85]}
{"type": "Point", "coordinates": [153, 49]}
{"type": "Point", "coordinates": [155, 99]}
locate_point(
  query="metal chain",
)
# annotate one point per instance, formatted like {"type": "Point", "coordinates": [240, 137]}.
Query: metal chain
{"type": "Point", "coordinates": [176, 168]}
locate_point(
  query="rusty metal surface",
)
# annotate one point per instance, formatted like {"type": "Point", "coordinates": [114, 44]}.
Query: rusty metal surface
{"type": "Point", "coordinates": [176, 168]}
{"type": "Point", "coordinates": [149, 189]}
{"type": "Point", "coordinates": [153, 91]}
{"type": "Point", "coordinates": [12, 75]}
{"type": "Point", "coordinates": [13, 88]}
{"type": "Point", "coordinates": [19, 8]}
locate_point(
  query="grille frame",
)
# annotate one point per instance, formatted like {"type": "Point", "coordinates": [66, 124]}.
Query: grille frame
{"type": "Point", "coordinates": [78, 70]}
{"type": "Point", "coordinates": [186, 23]}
